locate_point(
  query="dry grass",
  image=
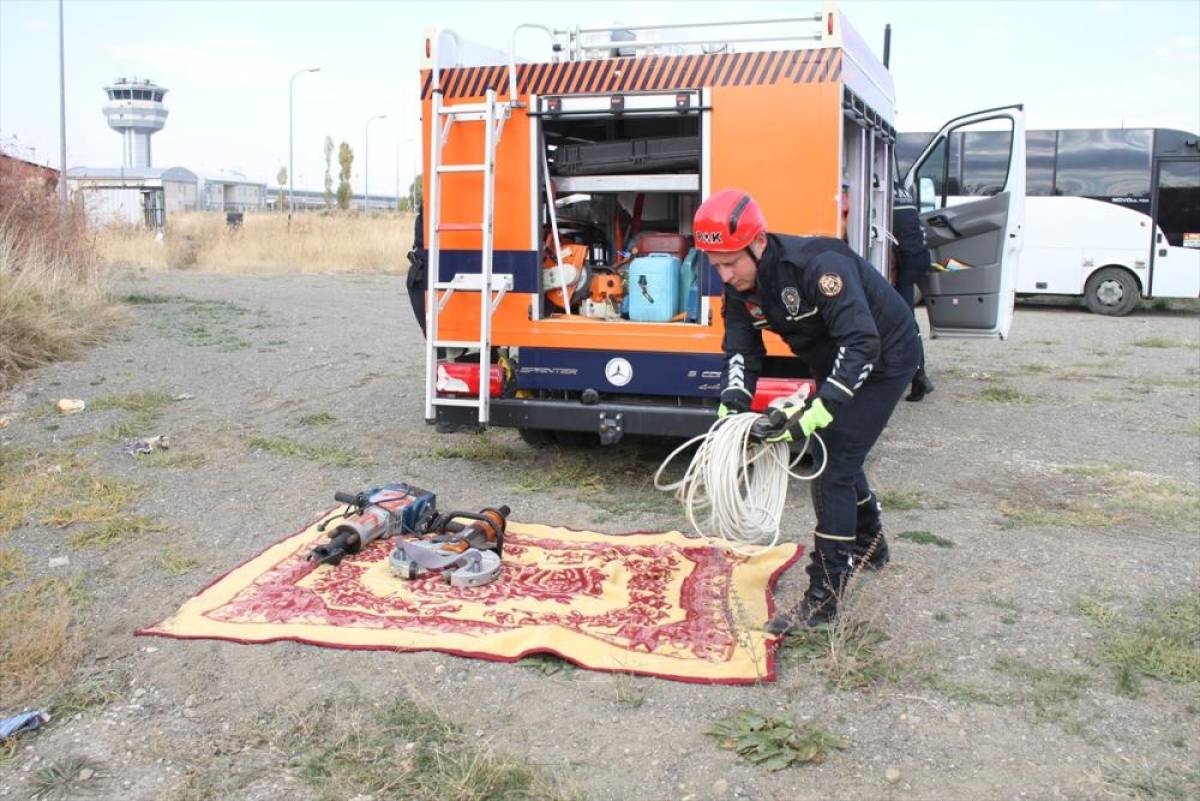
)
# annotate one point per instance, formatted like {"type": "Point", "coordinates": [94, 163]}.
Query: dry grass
{"type": "Point", "coordinates": [1100, 496]}
{"type": "Point", "coordinates": [347, 748]}
{"type": "Point", "coordinates": [37, 646]}
{"type": "Point", "coordinates": [53, 301]}
{"type": "Point", "coordinates": [65, 493]}
{"type": "Point", "coordinates": [335, 242]}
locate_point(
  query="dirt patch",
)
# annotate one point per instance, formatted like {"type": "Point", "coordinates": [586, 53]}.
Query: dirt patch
{"type": "Point", "coordinates": [1045, 543]}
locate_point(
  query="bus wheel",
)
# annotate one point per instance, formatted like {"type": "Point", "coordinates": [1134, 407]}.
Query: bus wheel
{"type": "Point", "coordinates": [1112, 291]}
{"type": "Point", "coordinates": [536, 437]}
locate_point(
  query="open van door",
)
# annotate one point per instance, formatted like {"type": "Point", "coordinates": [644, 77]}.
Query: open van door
{"type": "Point", "coordinates": [969, 186]}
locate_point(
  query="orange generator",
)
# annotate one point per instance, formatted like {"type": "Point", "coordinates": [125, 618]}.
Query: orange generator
{"type": "Point", "coordinates": [559, 197]}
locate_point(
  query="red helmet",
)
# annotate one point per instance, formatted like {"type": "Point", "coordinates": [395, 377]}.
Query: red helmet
{"type": "Point", "coordinates": [727, 221]}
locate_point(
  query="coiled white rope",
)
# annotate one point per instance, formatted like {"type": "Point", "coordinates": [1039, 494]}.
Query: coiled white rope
{"type": "Point", "coordinates": [736, 485]}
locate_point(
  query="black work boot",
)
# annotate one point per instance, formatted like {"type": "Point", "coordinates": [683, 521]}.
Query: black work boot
{"type": "Point", "coordinates": [870, 548]}
{"type": "Point", "coordinates": [871, 551]}
{"type": "Point", "coordinates": [921, 386]}
{"type": "Point", "coordinates": [828, 569]}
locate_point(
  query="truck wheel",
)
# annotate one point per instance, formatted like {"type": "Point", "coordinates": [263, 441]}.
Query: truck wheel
{"type": "Point", "coordinates": [1112, 291]}
{"type": "Point", "coordinates": [536, 437]}
{"type": "Point", "coordinates": [577, 439]}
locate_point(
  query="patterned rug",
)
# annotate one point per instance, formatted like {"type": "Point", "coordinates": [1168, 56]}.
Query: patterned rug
{"type": "Point", "coordinates": [655, 604]}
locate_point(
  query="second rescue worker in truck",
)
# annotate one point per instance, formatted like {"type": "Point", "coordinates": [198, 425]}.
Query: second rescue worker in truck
{"type": "Point", "coordinates": [855, 334]}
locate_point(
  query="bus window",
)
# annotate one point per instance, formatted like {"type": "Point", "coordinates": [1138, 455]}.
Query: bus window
{"type": "Point", "coordinates": [908, 147]}
{"type": "Point", "coordinates": [1179, 202]}
{"type": "Point", "coordinates": [1039, 162]}
{"type": "Point", "coordinates": [985, 162]}
{"type": "Point", "coordinates": [1104, 164]}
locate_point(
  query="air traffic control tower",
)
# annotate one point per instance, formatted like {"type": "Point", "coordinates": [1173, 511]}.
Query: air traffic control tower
{"type": "Point", "coordinates": [136, 111]}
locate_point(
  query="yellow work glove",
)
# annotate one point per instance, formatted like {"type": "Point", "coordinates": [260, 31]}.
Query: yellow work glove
{"type": "Point", "coordinates": [803, 421]}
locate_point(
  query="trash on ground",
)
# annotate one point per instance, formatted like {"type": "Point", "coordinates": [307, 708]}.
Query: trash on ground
{"type": "Point", "coordinates": [182, 396]}
{"type": "Point", "coordinates": [22, 723]}
{"type": "Point", "coordinates": [59, 561]}
{"type": "Point", "coordinates": [71, 406]}
{"type": "Point", "coordinates": [148, 445]}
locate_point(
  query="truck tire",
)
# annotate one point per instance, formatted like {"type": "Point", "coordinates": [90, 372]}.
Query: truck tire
{"type": "Point", "coordinates": [1112, 291]}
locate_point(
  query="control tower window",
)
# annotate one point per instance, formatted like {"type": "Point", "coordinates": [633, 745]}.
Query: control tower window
{"type": "Point", "coordinates": [158, 97]}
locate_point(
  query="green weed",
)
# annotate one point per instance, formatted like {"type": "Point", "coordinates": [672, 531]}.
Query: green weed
{"type": "Point", "coordinates": [12, 565]}
{"type": "Point", "coordinates": [547, 664]}
{"type": "Point", "coordinates": [176, 561]}
{"type": "Point", "coordinates": [150, 404]}
{"type": "Point", "coordinates": [317, 419]}
{"type": "Point", "coordinates": [1146, 781]}
{"type": "Point", "coordinates": [925, 538]}
{"type": "Point", "coordinates": [1005, 395]}
{"type": "Point", "coordinates": [897, 501]}
{"type": "Point", "coordinates": [65, 778]}
{"type": "Point", "coordinates": [404, 751]}
{"type": "Point", "coordinates": [113, 531]}
{"type": "Point", "coordinates": [173, 459]}
{"type": "Point", "coordinates": [1163, 342]}
{"type": "Point", "coordinates": [1165, 645]}
{"type": "Point", "coordinates": [321, 454]}
{"type": "Point", "coordinates": [93, 692]}
{"type": "Point", "coordinates": [629, 690]}
{"type": "Point", "coordinates": [480, 448]}
{"type": "Point", "coordinates": [1049, 691]}
{"type": "Point", "coordinates": [775, 743]}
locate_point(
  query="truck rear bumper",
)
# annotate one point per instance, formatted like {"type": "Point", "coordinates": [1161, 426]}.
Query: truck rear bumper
{"type": "Point", "coordinates": [610, 420]}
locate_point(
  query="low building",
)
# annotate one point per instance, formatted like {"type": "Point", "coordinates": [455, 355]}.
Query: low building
{"type": "Point", "coordinates": [28, 173]}
{"type": "Point", "coordinates": [232, 192]}
{"type": "Point", "coordinates": [141, 196]}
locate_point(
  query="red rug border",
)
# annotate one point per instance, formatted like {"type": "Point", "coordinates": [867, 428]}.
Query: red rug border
{"type": "Point", "coordinates": [772, 646]}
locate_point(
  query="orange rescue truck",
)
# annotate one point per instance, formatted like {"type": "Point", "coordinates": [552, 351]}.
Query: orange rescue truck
{"type": "Point", "coordinates": [551, 189]}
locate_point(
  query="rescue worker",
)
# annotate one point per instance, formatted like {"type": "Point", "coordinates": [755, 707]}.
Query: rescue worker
{"type": "Point", "coordinates": [415, 281]}
{"type": "Point", "coordinates": [914, 261]}
{"type": "Point", "coordinates": [856, 336]}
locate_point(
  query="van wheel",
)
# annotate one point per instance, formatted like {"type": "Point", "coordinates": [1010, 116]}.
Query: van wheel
{"type": "Point", "coordinates": [536, 437]}
{"type": "Point", "coordinates": [1112, 291]}
{"type": "Point", "coordinates": [577, 439]}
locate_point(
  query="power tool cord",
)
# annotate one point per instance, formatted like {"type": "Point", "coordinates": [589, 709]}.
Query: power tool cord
{"type": "Point", "coordinates": [737, 485]}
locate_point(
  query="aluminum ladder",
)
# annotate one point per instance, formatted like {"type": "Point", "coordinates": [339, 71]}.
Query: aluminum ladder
{"type": "Point", "coordinates": [491, 288]}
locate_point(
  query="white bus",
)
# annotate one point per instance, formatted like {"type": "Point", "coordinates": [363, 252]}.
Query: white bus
{"type": "Point", "coordinates": [1111, 214]}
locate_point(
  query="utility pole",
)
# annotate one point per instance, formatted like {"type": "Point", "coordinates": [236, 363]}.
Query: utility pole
{"type": "Point", "coordinates": [367, 159]}
{"type": "Point", "coordinates": [62, 111]}
{"type": "Point", "coordinates": [291, 167]}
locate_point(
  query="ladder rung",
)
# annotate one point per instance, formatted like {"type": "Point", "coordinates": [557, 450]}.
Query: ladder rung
{"type": "Point", "coordinates": [467, 108]}
{"type": "Point", "coordinates": [462, 168]}
{"type": "Point", "coordinates": [456, 402]}
{"type": "Point", "coordinates": [460, 227]}
{"type": "Point", "coordinates": [456, 343]}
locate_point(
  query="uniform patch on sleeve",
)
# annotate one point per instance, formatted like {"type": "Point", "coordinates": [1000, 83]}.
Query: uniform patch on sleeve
{"type": "Point", "coordinates": [830, 284]}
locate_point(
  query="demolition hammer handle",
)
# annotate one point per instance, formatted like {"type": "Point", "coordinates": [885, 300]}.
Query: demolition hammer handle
{"type": "Point", "coordinates": [346, 497]}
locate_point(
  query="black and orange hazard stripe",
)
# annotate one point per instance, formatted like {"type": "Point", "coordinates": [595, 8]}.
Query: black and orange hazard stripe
{"type": "Point", "coordinates": [646, 74]}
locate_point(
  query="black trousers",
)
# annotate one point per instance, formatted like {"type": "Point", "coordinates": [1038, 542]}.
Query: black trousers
{"type": "Point", "coordinates": [842, 499]}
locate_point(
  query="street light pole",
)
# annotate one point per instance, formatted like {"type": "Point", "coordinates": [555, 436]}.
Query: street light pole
{"type": "Point", "coordinates": [367, 159]}
{"type": "Point", "coordinates": [62, 111]}
{"type": "Point", "coordinates": [291, 167]}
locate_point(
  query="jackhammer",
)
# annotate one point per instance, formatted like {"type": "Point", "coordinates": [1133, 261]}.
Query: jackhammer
{"type": "Point", "coordinates": [378, 513]}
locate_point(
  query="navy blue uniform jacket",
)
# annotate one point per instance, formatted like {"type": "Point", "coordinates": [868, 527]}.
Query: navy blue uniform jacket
{"type": "Point", "coordinates": [833, 309]}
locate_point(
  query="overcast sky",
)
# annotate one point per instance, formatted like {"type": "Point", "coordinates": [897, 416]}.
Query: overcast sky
{"type": "Point", "coordinates": [226, 66]}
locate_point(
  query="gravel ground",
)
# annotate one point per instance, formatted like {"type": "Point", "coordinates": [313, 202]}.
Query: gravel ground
{"type": "Point", "coordinates": [977, 463]}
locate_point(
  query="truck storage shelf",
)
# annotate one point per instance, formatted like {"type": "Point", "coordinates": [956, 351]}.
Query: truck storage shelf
{"type": "Point", "coordinates": [674, 182]}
